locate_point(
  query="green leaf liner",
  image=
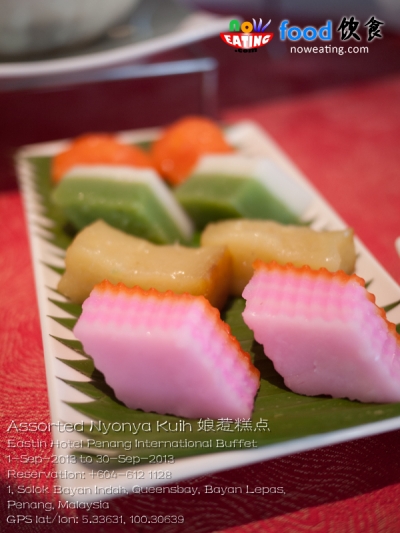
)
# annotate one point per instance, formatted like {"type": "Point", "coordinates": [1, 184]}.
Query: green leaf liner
{"type": "Point", "coordinates": [73, 309]}
{"type": "Point", "coordinates": [279, 414]}
{"type": "Point", "coordinates": [389, 307]}
{"type": "Point", "coordinates": [68, 323]}
{"type": "Point", "coordinates": [56, 269]}
{"type": "Point", "coordinates": [74, 345]}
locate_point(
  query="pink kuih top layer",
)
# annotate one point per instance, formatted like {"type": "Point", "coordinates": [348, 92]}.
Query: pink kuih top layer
{"type": "Point", "coordinates": [324, 333]}
{"type": "Point", "coordinates": [167, 353]}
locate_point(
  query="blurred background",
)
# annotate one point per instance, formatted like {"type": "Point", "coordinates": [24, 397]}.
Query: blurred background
{"type": "Point", "coordinates": [53, 106]}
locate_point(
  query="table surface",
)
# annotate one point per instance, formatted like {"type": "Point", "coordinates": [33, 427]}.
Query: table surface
{"type": "Point", "coordinates": [345, 139]}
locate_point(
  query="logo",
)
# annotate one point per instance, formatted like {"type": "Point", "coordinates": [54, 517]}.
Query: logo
{"type": "Point", "coordinates": [242, 37]}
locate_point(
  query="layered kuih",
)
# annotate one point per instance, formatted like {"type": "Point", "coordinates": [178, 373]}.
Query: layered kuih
{"type": "Point", "coordinates": [324, 333]}
{"type": "Point", "coordinates": [234, 186]}
{"type": "Point", "coordinates": [101, 252]}
{"type": "Point", "coordinates": [134, 200]}
{"type": "Point", "coordinates": [176, 152]}
{"type": "Point", "coordinates": [97, 149]}
{"type": "Point", "coordinates": [167, 353]}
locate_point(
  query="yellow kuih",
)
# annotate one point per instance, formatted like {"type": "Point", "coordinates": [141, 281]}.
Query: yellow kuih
{"type": "Point", "coordinates": [102, 252]}
{"type": "Point", "coordinates": [248, 240]}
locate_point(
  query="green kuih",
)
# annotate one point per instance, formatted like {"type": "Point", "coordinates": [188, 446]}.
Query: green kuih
{"type": "Point", "coordinates": [234, 186]}
{"type": "Point", "coordinates": [136, 201]}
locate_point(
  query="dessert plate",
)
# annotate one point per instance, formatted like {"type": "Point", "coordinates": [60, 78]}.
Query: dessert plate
{"type": "Point", "coordinates": [108, 450]}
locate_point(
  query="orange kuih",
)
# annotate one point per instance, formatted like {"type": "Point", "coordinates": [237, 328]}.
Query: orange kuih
{"type": "Point", "coordinates": [97, 149]}
{"type": "Point", "coordinates": [177, 151]}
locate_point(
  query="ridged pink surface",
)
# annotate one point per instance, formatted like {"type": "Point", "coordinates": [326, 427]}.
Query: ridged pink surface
{"type": "Point", "coordinates": [324, 333]}
{"type": "Point", "coordinates": [167, 353]}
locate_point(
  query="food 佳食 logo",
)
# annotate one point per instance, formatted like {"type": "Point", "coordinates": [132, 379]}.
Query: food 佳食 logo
{"type": "Point", "coordinates": [247, 36]}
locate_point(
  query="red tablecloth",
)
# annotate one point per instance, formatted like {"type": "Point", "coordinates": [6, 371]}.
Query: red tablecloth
{"type": "Point", "coordinates": [347, 142]}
